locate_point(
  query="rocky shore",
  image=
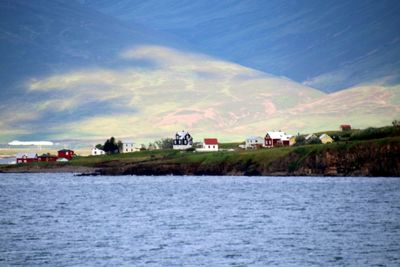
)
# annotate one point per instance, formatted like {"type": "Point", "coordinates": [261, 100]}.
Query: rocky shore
{"type": "Point", "coordinates": [369, 158]}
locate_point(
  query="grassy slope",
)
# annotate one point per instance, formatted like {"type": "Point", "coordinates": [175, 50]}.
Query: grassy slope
{"type": "Point", "coordinates": [242, 158]}
{"type": "Point", "coordinates": [263, 157]}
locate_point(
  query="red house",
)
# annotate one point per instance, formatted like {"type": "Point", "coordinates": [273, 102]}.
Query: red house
{"type": "Point", "coordinates": [273, 139]}
{"type": "Point", "coordinates": [47, 157]}
{"type": "Point", "coordinates": [345, 127]}
{"type": "Point", "coordinates": [66, 153]}
{"type": "Point", "coordinates": [26, 157]}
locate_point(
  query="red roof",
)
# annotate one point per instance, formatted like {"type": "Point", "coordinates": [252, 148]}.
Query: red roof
{"type": "Point", "coordinates": [211, 141]}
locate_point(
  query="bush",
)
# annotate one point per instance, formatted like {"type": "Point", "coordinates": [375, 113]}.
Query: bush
{"type": "Point", "coordinates": [314, 141]}
{"type": "Point", "coordinates": [375, 133]}
{"type": "Point", "coordinates": [300, 140]}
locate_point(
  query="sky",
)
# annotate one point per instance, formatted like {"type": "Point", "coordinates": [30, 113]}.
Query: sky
{"type": "Point", "coordinates": [86, 70]}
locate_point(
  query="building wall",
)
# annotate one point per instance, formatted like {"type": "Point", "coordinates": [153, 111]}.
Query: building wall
{"type": "Point", "coordinates": [96, 152]}
{"type": "Point", "coordinates": [181, 147]}
{"type": "Point", "coordinates": [326, 140]}
{"type": "Point", "coordinates": [210, 147]}
{"type": "Point", "coordinates": [129, 147]}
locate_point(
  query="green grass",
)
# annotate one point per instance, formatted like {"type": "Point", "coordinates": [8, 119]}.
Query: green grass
{"type": "Point", "coordinates": [233, 145]}
{"type": "Point", "coordinates": [244, 158]}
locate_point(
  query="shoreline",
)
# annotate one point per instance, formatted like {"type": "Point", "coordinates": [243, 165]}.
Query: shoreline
{"type": "Point", "coordinates": [372, 158]}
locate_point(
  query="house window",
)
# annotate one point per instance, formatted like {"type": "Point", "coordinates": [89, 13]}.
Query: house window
{"type": "Point", "coordinates": [208, 146]}
{"type": "Point", "coordinates": [213, 146]}
{"type": "Point", "coordinates": [126, 150]}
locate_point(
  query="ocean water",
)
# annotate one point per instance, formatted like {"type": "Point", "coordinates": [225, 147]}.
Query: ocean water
{"type": "Point", "coordinates": [65, 220]}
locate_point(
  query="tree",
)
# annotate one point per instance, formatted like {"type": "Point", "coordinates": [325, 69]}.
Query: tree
{"type": "Point", "coordinates": [152, 146]}
{"type": "Point", "coordinates": [165, 143]}
{"type": "Point", "coordinates": [300, 140]}
{"type": "Point", "coordinates": [110, 146]}
{"type": "Point", "coordinates": [120, 146]}
{"type": "Point", "coordinates": [396, 123]}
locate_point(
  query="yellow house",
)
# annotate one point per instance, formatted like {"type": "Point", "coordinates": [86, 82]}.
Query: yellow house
{"type": "Point", "coordinates": [325, 139]}
{"type": "Point", "coordinates": [292, 140]}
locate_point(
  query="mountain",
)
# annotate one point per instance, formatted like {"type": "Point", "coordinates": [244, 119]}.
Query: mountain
{"type": "Point", "coordinates": [326, 45]}
{"type": "Point", "coordinates": [71, 72]}
{"type": "Point", "coordinates": [42, 37]}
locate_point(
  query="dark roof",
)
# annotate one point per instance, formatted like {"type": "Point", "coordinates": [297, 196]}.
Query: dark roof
{"type": "Point", "coordinates": [65, 150]}
{"type": "Point", "coordinates": [47, 156]}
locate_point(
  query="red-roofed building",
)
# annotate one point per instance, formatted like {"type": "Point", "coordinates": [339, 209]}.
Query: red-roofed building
{"type": "Point", "coordinates": [47, 157]}
{"type": "Point", "coordinates": [66, 153]}
{"type": "Point", "coordinates": [345, 127]}
{"type": "Point", "coordinates": [26, 157]}
{"type": "Point", "coordinates": [209, 144]}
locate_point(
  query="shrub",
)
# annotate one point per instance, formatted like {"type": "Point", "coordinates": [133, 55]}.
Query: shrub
{"type": "Point", "coordinates": [375, 133]}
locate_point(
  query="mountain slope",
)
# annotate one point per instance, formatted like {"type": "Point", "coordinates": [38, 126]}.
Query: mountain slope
{"type": "Point", "coordinates": [73, 73]}
{"type": "Point", "coordinates": [327, 45]}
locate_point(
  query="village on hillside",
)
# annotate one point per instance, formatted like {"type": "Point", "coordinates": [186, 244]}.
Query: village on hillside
{"type": "Point", "coordinates": [183, 141]}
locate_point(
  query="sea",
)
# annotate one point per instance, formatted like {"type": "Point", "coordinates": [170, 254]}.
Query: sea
{"type": "Point", "coordinates": [69, 220]}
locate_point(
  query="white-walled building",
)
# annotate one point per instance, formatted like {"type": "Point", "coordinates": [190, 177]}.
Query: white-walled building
{"type": "Point", "coordinates": [182, 140]}
{"type": "Point", "coordinates": [253, 142]}
{"type": "Point", "coordinates": [96, 151]}
{"type": "Point", "coordinates": [209, 144]}
{"type": "Point", "coordinates": [129, 146]}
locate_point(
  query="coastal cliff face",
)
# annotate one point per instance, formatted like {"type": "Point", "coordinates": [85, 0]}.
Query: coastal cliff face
{"type": "Point", "coordinates": [367, 159]}
{"type": "Point", "coordinates": [379, 157]}
{"type": "Point", "coordinates": [363, 159]}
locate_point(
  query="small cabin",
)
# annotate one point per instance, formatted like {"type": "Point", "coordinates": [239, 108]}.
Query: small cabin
{"type": "Point", "coordinates": [66, 153]}
{"type": "Point", "coordinates": [46, 158]}
{"type": "Point", "coordinates": [345, 127]}
{"type": "Point", "coordinates": [183, 140]}
{"type": "Point", "coordinates": [96, 151]}
{"type": "Point", "coordinates": [254, 142]}
{"type": "Point", "coordinates": [129, 146]}
{"type": "Point", "coordinates": [210, 144]}
{"type": "Point", "coordinates": [325, 139]}
{"type": "Point", "coordinates": [26, 157]}
{"type": "Point", "coordinates": [273, 139]}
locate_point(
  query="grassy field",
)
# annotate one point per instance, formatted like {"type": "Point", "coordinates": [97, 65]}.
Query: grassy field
{"type": "Point", "coordinates": [262, 158]}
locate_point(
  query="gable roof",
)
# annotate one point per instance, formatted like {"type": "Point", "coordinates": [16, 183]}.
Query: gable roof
{"type": "Point", "coordinates": [210, 141]}
{"type": "Point", "coordinates": [29, 155]}
{"type": "Point", "coordinates": [47, 155]}
{"type": "Point", "coordinates": [276, 135]}
{"type": "Point", "coordinates": [65, 150]}
{"type": "Point", "coordinates": [254, 138]}
{"type": "Point", "coordinates": [310, 136]}
{"type": "Point", "coordinates": [324, 135]}
{"type": "Point", "coordinates": [182, 134]}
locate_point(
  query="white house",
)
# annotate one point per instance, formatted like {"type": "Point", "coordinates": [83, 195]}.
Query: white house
{"type": "Point", "coordinates": [129, 146]}
{"type": "Point", "coordinates": [182, 140]}
{"type": "Point", "coordinates": [253, 142]}
{"type": "Point", "coordinates": [209, 144]}
{"type": "Point", "coordinates": [310, 136]}
{"type": "Point", "coordinates": [96, 151]}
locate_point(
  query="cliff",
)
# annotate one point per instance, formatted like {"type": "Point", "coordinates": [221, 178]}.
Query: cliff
{"type": "Point", "coordinates": [370, 158]}
{"type": "Point", "coordinates": [379, 157]}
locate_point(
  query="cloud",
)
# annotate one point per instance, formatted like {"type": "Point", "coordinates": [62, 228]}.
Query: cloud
{"type": "Point", "coordinates": [181, 90]}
